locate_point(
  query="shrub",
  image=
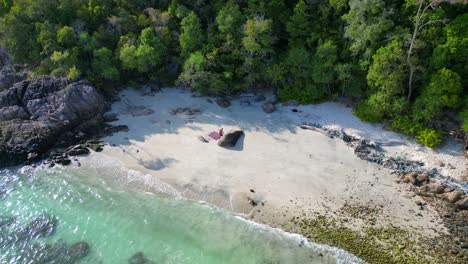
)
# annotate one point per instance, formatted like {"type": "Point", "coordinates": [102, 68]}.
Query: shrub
{"type": "Point", "coordinates": [429, 137]}
{"type": "Point", "coordinates": [367, 113]}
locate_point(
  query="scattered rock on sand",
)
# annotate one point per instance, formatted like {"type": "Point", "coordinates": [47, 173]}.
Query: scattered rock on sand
{"type": "Point", "coordinates": [453, 197]}
{"type": "Point", "coordinates": [268, 108]}
{"type": "Point", "coordinates": [230, 139]}
{"type": "Point", "coordinates": [186, 111]}
{"type": "Point", "coordinates": [433, 188]}
{"type": "Point", "coordinates": [462, 204]}
{"type": "Point", "coordinates": [223, 102]}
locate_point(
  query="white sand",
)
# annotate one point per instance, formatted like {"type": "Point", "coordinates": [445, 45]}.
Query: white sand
{"type": "Point", "coordinates": [291, 170]}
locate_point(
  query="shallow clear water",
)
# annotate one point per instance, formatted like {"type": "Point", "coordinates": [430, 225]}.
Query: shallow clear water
{"type": "Point", "coordinates": [117, 223]}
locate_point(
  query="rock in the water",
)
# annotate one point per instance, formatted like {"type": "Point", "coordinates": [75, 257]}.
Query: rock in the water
{"type": "Point", "coordinates": [268, 108]}
{"type": "Point", "coordinates": [259, 98]}
{"type": "Point", "coordinates": [35, 114]}
{"type": "Point", "coordinates": [139, 258]}
{"type": "Point", "coordinates": [291, 103]}
{"type": "Point", "coordinates": [41, 226]}
{"type": "Point", "coordinates": [78, 250]}
{"type": "Point", "coordinates": [223, 102]}
{"type": "Point", "coordinates": [230, 139]}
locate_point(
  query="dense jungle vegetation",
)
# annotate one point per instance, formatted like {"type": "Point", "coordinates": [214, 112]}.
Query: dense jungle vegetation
{"type": "Point", "coordinates": [402, 62]}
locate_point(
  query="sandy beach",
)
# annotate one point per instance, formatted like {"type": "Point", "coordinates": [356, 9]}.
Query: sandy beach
{"type": "Point", "coordinates": [276, 171]}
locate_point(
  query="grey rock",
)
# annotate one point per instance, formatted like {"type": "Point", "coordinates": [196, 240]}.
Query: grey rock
{"type": "Point", "coordinates": [37, 115]}
{"type": "Point", "coordinates": [268, 108]}
{"type": "Point", "coordinates": [223, 102]}
{"type": "Point", "coordinates": [230, 139]}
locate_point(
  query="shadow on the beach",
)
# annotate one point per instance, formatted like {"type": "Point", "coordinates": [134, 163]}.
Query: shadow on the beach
{"type": "Point", "coordinates": [247, 118]}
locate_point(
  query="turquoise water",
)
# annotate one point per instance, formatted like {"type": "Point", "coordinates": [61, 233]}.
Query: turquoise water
{"type": "Point", "coordinates": [117, 223]}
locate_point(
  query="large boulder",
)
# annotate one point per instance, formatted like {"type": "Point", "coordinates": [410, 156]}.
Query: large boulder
{"type": "Point", "coordinates": [230, 139]}
{"type": "Point", "coordinates": [37, 115]}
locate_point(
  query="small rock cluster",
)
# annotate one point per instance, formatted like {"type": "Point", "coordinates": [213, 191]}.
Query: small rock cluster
{"type": "Point", "coordinates": [186, 111]}
{"type": "Point", "coordinates": [429, 182]}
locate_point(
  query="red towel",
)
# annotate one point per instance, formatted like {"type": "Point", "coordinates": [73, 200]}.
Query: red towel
{"type": "Point", "coordinates": [214, 135]}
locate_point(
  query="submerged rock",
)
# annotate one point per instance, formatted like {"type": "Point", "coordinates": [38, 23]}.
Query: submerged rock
{"type": "Point", "coordinates": [37, 115]}
{"type": "Point", "coordinates": [78, 250]}
{"type": "Point", "coordinates": [41, 226]}
{"type": "Point", "coordinates": [230, 139]}
{"type": "Point", "coordinates": [139, 258]}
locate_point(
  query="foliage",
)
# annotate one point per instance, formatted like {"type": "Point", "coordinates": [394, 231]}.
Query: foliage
{"type": "Point", "coordinates": [308, 50]}
{"type": "Point", "coordinates": [429, 137]}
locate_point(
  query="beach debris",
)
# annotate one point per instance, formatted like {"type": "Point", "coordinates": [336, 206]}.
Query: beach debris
{"type": "Point", "coordinates": [203, 139]}
{"type": "Point", "coordinates": [231, 138]}
{"type": "Point", "coordinates": [293, 103]}
{"type": "Point", "coordinates": [268, 108]}
{"type": "Point", "coordinates": [252, 190]}
{"type": "Point", "coordinates": [223, 102]}
{"type": "Point", "coordinates": [139, 258]}
{"type": "Point", "coordinates": [259, 98]}
{"type": "Point", "coordinates": [186, 111]}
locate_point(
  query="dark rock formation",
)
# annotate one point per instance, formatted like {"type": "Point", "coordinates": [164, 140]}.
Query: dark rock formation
{"type": "Point", "coordinates": [44, 112]}
{"type": "Point", "coordinates": [230, 139]}
{"type": "Point", "coordinates": [223, 102]}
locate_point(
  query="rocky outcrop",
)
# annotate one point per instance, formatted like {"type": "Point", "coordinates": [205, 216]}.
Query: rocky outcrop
{"type": "Point", "coordinates": [44, 112]}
